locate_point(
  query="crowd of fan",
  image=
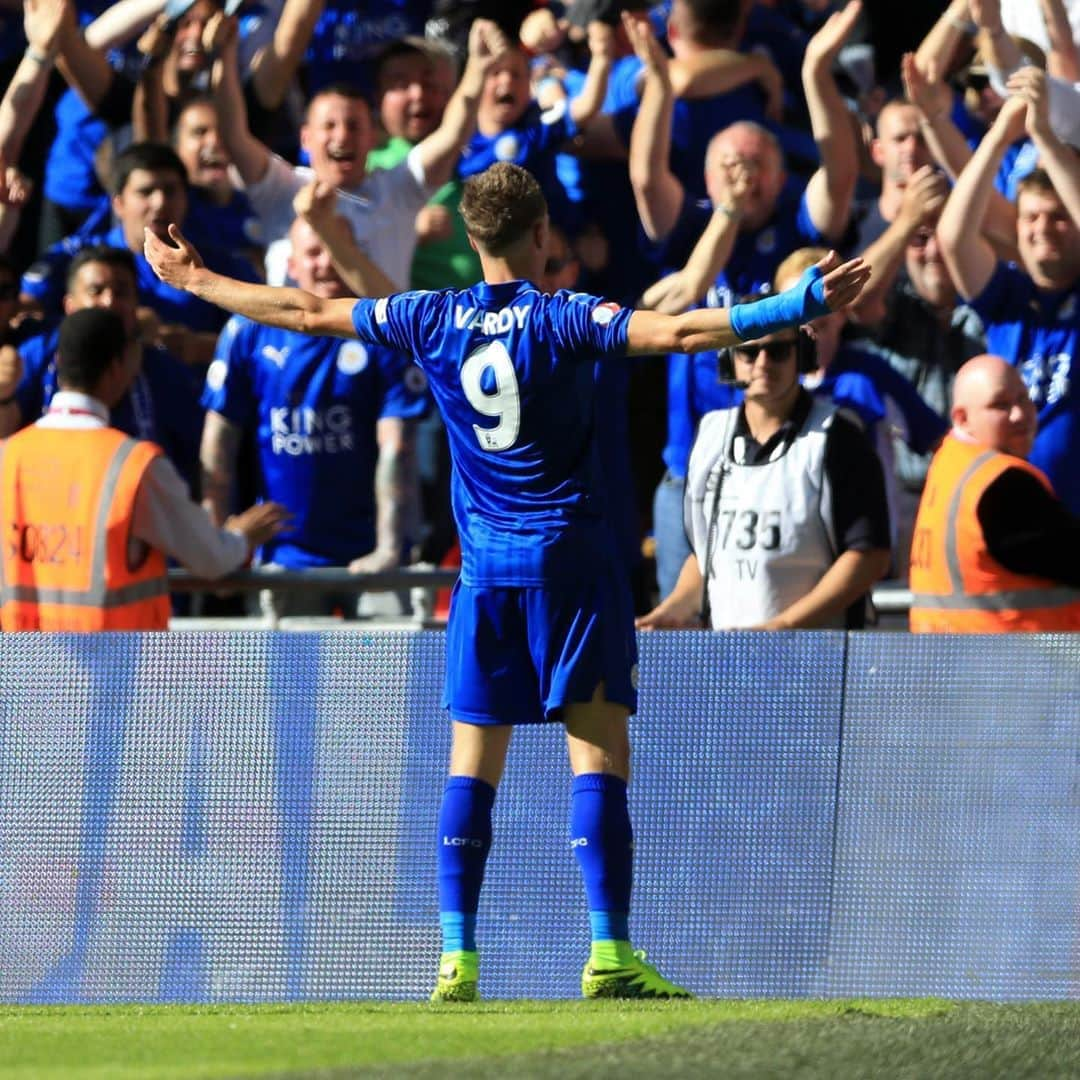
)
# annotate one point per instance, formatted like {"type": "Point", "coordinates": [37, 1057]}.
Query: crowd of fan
{"type": "Point", "coordinates": [687, 150]}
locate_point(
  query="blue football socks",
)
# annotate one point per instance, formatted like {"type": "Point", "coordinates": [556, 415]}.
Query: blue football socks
{"type": "Point", "coordinates": [603, 842]}
{"type": "Point", "coordinates": [464, 842]}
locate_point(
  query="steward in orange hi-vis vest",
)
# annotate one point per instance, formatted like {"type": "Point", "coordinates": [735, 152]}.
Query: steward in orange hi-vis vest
{"type": "Point", "coordinates": [957, 585]}
{"type": "Point", "coordinates": [68, 560]}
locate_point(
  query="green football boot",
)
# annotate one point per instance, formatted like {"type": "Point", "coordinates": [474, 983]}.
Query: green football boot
{"type": "Point", "coordinates": [458, 977]}
{"type": "Point", "coordinates": [635, 979]}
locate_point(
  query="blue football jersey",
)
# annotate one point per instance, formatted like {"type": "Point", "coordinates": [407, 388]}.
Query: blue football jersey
{"type": "Point", "coordinates": [313, 403]}
{"type": "Point", "coordinates": [1038, 331]}
{"type": "Point", "coordinates": [162, 403]}
{"type": "Point", "coordinates": [46, 278]}
{"type": "Point", "coordinates": [511, 370]}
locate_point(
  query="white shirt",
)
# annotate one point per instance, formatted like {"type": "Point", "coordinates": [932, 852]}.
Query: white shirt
{"type": "Point", "coordinates": [381, 210]}
{"type": "Point", "coordinates": [166, 517]}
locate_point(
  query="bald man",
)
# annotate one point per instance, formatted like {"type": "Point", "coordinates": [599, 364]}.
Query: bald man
{"type": "Point", "coordinates": [994, 549]}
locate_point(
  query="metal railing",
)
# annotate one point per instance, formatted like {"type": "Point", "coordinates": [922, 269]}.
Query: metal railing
{"type": "Point", "coordinates": [892, 599]}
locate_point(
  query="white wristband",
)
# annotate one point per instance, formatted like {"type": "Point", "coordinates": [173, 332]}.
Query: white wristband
{"type": "Point", "coordinates": [43, 59]}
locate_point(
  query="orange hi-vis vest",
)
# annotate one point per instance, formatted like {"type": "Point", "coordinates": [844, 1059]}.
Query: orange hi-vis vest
{"type": "Point", "coordinates": [957, 585]}
{"type": "Point", "coordinates": [67, 502]}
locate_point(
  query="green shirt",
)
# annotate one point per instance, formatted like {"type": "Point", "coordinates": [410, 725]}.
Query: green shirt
{"type": "Point", "coordinates": [439, 263]}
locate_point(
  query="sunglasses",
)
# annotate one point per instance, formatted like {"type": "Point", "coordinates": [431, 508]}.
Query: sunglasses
{"type": "Point", "coordinates": [776, 352]}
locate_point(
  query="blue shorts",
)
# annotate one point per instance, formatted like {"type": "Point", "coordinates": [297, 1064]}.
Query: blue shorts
{"type": "Point", "coordinates": [518, 654]}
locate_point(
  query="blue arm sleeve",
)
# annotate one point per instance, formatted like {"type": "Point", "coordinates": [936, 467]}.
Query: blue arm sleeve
{"type": "Point", "coordinates": [804, 301]}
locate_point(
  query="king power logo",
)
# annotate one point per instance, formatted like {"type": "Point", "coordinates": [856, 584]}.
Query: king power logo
{"type": "Point", "coordinates": [305, 430]}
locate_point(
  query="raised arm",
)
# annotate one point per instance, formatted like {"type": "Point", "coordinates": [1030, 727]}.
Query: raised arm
{"type": "Point", "coordinates": [291, 309]}
{"type": "Point", "coordinates": [273, 67]}
{"type": "Point", "coordinates": [440, 151]}
{"type": "Point", "coordinates": [939, 47]}
{"type": "Point", "coordinates": [121, 22]}
{"type": "Point", "coordinates": [42, 23]}
{"type": "Point", "coordinates": [934, 100]}
{"type": "Point", "coordinates": [150, 108]}
{"type": "Point", "coordinates": [589, 102]}
{"type": "Point", "coordinates": [86, 70]}
{"type": "Point", "coordinates": [1059, 160]}
{"type": "Point", "coordinates": [950, 150]}
{"type": "Point", "coordinates": [968, 254]}
{"type": "Point", "coordinates": [922, 200]}
{"type": "Point", "coordinates": [315, 203]}
{"type": "Point", "coordinates": [832, 186]}
{"type": "Point", "coordinates": [676, 292]}
{"type": "Point", "coordinates": [826, 287]}
{"type": "Point", "coordinates": [250, 156]}
{"type": "Point", "coordinates": [1000, 50]}
{"type": "Point", "coordinates": [1063, 59]}
{"type": "Point", "coordinates": [657, 192]}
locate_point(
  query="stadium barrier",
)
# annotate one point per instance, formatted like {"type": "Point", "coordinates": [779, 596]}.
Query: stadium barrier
{"type": "Point", "coordinates": [250, 817]}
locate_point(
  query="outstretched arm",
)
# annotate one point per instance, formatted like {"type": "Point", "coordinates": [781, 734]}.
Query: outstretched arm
{"type": "Point", "coordinates": [832, 187]}
{"type": "Point", "coordinates": [291, 309]}
{"type": "Point", "coordinates": [826, 287]}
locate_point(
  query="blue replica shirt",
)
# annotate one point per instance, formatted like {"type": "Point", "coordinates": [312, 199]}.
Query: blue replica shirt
{"type": "Point", "coordinates": [70, 179]}
{"type": "Point", "coordinates": [233, 227]}
{"type": "Point", "coordinates": [693, 389]}
{"type": "Point", "coordinates": [533, 143]}
{"type": "Point", "coordinates": [756, 255]}
{"type": "Point", "coordinates": [45, 281]}
{"type": "Point", "coordinates": [1038, 331]}
{"type": "Point", "coordinates": [868, 386]}
{"type": "Point", "coordinates": [162, 403]}
{"type": "Point", "coordinates": [511, 370]}
{"type": "Point", "coordinates": [313, 403]}
{"type": "Point", "coordinates": [349, 37]}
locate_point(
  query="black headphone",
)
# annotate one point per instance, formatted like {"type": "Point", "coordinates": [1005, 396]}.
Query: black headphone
{"type": "Point", "coordinates": [805, 358]}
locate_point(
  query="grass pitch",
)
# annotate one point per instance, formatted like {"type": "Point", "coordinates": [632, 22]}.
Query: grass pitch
{"type": "Point", "coordinates": [567, 1040]}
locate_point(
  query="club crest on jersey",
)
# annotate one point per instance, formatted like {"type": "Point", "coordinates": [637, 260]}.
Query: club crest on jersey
{"type": "Point", "coordinates": [352, 358]}
{"type": "Point", "coordinates": [766, 242]}
{"type": "Point", "coordinates": [415, 380]}
{"type": "Point", "coordinates": [602, 314]}
{"type": "Point", "coordinates": [215, 374]}
{"type": "Point", "coordinates": [506, 147]}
